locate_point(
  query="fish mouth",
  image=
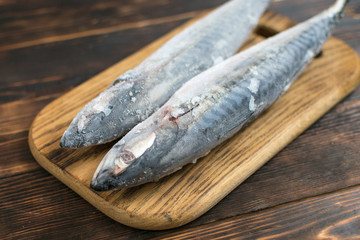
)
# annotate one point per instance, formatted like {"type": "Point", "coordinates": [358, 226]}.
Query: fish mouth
{"type": "Point", "coordinates": [122, 155]}
{"type": "Point", "coordinates": [103, 177]}
{"type": "Point", "coordinates": [103, 181]}
{"type": "Point", "coordinates": [107, 179]}
{"type": "Point", "coordinates": [90, 128]}
{"type": "Point", "coordinates": [76, 140]}
{"type": "Point", "coordinates": [111, 166]}
{"type": "Point", "coordinates": [72, 141]}
{"type": "Point", "coordinates": [73, 138]}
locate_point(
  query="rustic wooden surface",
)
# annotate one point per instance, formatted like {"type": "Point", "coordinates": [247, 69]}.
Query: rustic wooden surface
{"type": "Point", "coordinates": [48, 47]}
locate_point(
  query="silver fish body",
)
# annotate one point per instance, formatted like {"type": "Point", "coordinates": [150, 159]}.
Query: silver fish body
{"type": "Point", "coordinates": [139, 92]}
{"type": "Point", "coordinates": [214, 105]}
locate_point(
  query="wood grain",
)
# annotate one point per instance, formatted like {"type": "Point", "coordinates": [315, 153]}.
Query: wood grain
{"type": "Point", "coordinates": [323, 217]}
{"type": "Point", "coordinates": [189, 193]}
{"type": "Point", "coordinates": [59, 66]}
{"type": "Point", "coordinates": [15, 120]}
{"type": "Point", "coordinates": [34, 22]}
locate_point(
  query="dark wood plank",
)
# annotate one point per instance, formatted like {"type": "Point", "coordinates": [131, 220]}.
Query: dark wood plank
{"type": "Point", "coordinates": [29, 23]}
{"type": "Point", "coordinates": [62, 214]}
{"type": "Point", "coordinates": [57, 67]}
{"type": "Point", "coordinates": [46, 209]}
{"type": "Point", "coordinates": [330, 216]}
{"type": "Point", "coordinates": [36, 22]}
{"type": "Point", "coordinates": [15, 120]}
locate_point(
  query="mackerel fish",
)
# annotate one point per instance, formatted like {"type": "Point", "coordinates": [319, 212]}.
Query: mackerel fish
{"type": "Point", "coordinates": [137, 93]}
{"type": "Point", "coordinates": [214, 105]}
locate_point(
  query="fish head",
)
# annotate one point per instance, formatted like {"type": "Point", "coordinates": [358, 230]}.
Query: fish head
{"type": "Point", "coordinates": [114, 163]}
{"type": "Point", "coordinates": [103, 119]}
{"type": "Point", "coordinates": [86, 134]}
{"type": "Point", "coordinates": [136, 157]}
{"type": "Point", "coordinates": [120, 157]}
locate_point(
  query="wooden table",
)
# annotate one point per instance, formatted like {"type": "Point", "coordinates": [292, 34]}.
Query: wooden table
{"type": "Point", "coordinates": [309, 190]}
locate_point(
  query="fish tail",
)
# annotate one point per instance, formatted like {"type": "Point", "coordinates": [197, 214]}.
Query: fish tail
{"type": "Point", "coordinates": [337, 9]}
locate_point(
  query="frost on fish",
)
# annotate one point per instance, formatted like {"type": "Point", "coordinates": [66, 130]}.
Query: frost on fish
{"type": "Point", "coordinates": [254, 85]}
{"type": "Point", "coordinates": [139, 92]}
{"type": "Point", "coordinates": [214, 105]}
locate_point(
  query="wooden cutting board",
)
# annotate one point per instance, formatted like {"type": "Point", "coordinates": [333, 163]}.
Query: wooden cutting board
{"type": "Point", "coordinates": [187, 194]}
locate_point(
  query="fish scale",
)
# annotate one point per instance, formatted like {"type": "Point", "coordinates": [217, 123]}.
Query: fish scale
{"type": "Point", "coordinates": [245, 84]}
{"type": "Point", "coordinates": [202, 45]}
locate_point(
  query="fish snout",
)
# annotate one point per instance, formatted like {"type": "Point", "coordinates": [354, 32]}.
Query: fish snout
{"type": "Point", "coordinates": [71, 140]}
{"type": "Point", "coordinates": [102, 182]}
{"type": "Point", "coordinates": [113, 164]}
{"type": "Point", "coordinates": [75, 137]}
